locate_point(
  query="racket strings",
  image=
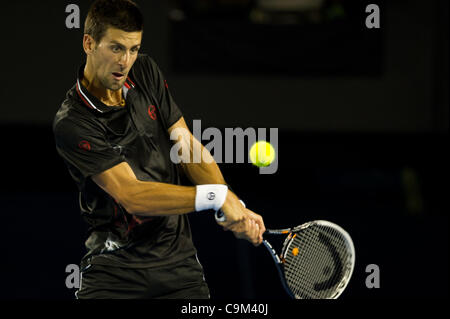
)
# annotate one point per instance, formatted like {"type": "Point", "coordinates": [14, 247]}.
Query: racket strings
{"type": "Point", "coordinates": [321, 268]}
{"type": "Point", "coordinates": [318, 267]}
{"type": "Point", "coordinates": [304, 267]}
{"type": "Point", "coordinates": [325, 266]}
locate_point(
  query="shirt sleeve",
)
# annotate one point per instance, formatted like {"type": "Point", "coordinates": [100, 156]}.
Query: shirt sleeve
{"type": "Point", "coordinates": [168, 108]}
{"type": "Point", "coordinates": [84, 147]}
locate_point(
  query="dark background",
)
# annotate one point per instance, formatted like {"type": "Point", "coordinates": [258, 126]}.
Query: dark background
{"type": "Point", "coordinates": [363, 137]}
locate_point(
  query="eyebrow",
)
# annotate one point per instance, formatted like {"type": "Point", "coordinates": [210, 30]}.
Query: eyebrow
{"type": "Point", "coordinates": [121, 45]}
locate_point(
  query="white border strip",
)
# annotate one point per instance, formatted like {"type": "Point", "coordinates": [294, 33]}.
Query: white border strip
{"type": "Point", "coordinates": [87, 99]}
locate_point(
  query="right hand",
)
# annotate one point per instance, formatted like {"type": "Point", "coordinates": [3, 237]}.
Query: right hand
{"type": "Point", "coordinates": [244, 223]}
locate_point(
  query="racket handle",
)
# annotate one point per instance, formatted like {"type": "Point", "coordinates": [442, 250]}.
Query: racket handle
{"type": "Point", "coordinates": [277, 231]}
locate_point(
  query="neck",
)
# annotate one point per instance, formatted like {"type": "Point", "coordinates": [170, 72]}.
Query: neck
{"type": "Point", "coordinates": [93, 85]}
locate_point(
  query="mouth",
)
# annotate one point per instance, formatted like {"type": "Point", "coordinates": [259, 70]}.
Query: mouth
{"type": "Point", "coordinates": [118, 75]}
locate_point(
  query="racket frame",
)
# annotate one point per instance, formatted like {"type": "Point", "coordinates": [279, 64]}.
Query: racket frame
{"type": "Point", "coordinates": [279, 266]}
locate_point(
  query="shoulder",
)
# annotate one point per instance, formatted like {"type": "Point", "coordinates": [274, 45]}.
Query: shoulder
{"type": "Point", "coordinates": [72, 119]}
{"type": "Point", "coordinates": [144, 61]}
{"type": "Point", "coordinates": [146, 72]}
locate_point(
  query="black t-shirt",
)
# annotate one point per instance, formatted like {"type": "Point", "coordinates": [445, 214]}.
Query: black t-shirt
{"type": "Point", "coordinates": [92, 137]}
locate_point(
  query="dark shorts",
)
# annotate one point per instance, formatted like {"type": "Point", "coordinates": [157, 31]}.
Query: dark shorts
{"type": "Point", "coordinates": [183, 280]}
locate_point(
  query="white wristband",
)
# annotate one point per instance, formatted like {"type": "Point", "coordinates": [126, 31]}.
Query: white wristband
{"type": "Point", "coordinates": [210, 196]}
{"type": "Point", "coordinates": [220, 216]}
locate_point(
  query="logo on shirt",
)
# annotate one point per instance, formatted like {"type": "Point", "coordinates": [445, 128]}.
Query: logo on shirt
{"type": "Point", "coordinates": [84, 145]}
{"type": "Point", "coordinates": [152, 112]}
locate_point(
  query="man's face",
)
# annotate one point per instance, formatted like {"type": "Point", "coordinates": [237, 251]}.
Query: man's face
{"type": "Point", "coordinates": [113, 57]}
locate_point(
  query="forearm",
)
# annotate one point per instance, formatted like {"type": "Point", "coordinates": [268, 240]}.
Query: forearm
{"type": "Point", "coordinates": [152, 198]}
{"type": "Point", "coordinates": [159, 199]}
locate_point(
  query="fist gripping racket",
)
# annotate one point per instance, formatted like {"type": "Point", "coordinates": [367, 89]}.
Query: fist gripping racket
{"type": "Point", "coordinates": [316, 261]}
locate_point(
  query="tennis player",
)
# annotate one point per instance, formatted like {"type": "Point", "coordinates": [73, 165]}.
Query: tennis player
{"type": "Point", "coordinates": [112, 130]}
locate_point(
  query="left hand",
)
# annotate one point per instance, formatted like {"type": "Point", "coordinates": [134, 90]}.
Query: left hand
{"type": "Point", "coordinates": [251, 228]}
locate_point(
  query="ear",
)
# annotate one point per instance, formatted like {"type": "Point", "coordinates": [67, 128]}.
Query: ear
{"type": "Point", "coordinates": [88, 44]}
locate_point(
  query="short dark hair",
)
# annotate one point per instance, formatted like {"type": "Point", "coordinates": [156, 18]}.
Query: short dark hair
{"type": "Point", "coordinates": [124, 15]}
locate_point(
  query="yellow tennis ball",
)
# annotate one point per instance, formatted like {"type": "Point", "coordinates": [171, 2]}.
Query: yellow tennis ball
{"type": "Point", "coordinates": [262, 154]}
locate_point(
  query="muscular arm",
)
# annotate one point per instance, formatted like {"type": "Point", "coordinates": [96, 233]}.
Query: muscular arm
{"type": "Point", "coordinates": [150, 198]}
{"type": "Point", "coordinates": [154, 198]}
{"type": "Point", "coordinates": [142, 197]}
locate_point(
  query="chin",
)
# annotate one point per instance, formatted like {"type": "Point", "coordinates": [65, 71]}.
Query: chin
{"type": "Point", "coordinates": [114, 86]}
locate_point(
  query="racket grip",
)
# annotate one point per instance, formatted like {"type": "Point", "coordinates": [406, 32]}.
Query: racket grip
{"type": "Point", "coordinates": [277, 231]}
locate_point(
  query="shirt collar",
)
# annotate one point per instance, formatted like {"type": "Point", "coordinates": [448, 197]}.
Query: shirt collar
{"type": "Point", "coordinates": [93, 102]}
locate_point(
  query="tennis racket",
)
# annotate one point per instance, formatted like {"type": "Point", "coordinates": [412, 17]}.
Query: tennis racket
{"type": "Point", "coordinates": [316, 261]}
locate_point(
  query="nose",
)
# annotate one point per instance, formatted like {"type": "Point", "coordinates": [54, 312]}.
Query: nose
{"type": "Point", "coordinates": [125, 60]}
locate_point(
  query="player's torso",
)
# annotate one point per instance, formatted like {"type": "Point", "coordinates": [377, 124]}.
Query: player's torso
{"type": "Point", "coordinates": [137, 133]}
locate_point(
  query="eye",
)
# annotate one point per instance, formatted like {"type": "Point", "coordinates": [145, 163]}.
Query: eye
{"type": "Point", "coordinates": [116, 48]}
{"type": "Point", "coordinates": [134, 50]}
